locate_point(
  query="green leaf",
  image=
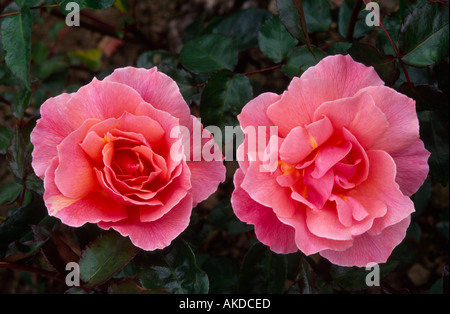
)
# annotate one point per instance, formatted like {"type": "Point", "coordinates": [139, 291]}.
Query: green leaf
{"type": "Point", "coordinates": [28, 3]}
{"type": "Point", "coordinates": [6, 135]}
{"type": "Point", "coordinates": [184, 81]}
{"type": "Point", "coordinates": [53, 65]}
{"type": "Point", "coordinates": [76, 290]}
{"type": "Point", "coordinates": [18, 155]}
{"type": "Point", "coordinates": [104, 257]}
{"type": "Point", "coordinates": [339, 48]}
{"type": "Point", "coordinates": [436, 288]}
{"type": "Point", "coordinates": [306, 278]}
{"type": "Point", "coordinates": [422, 197]}
{"type": "Point", "coordinates": [300, 59]}
{"type": "Point", "coordinates": [16, 37]}
{"type": "Point", "coordinates": [90, 57]}
{"type": "Point", "coordinates": [262, 271]}
{"type": "Point", "coordinates": [443, 228]}
{"type": "Point", "coordinates": [370, 56]}
{"type": "Point", "coordinates": [34, 183]}
{"type": "Point", "coordinates": [393, 23]}
{"type": "Point", "coordinates": [317, 15]}
{"type": "Point", "coordinates": [19, 250]}
{"type": "Point", "coordinates": [223, 98]}
{"type": "Point", "coordinates": [21, 102]}
{"type": "Point", "coordinates": [354, 278]}
{"type": "Point", "coordinates": [434, 133]}
{"type": "Point", "coordinates": [91, 4]}
{"type": "Point", "coordinates": [18, 223]}
{"type": "Point", "coordinates": [39, 52]}
{"type": "Point", "coordinates": [345, 11]}
{"type": "Point", "coordinates": [9, 192]}
{"type": "Point", "coordinates": [243, 26]}
{"type": "Point", "coordinates": [173, 269]}
{"type": "Point", "coordinates": [122, 5]}
{"type": "Point", "coordinates": [152, 58]}
{"type": "Point", "coordinates": [222, 217]}
{"type": "Point", "coordinates": [222, 273]}
{"type": "Point", "coordinates": [424, 36]}
{"type": "Point", "coordinates": [209, 53]}
{"type": "Point", "coordinates": [128, 286]}
{"type": "Point", "coordinates": [274, 40]}
{"type": "Point", "coordinates": [427, 97]}
{"type": "Point", "coordinates": [290, 18]}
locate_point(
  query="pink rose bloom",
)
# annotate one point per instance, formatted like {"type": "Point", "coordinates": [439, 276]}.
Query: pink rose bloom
{"type": "Point", "coordinates": [348, 158]}
{"type": "Point", "coordinates": [104, 154]}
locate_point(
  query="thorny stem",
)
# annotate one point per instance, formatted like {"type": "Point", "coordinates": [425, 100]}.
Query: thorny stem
{"type": "Point", "coordinates": [97, 25]}
{"type": "Point", "coordinates": [263, 70]}
{"type": "Point", "coordinates": [353, 20]}
{"type": "Point", "coordinates": [299, 6]}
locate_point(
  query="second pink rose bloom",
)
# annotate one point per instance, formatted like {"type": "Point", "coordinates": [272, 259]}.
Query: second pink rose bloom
{"type": "Point", "coordinates": [349, 157]}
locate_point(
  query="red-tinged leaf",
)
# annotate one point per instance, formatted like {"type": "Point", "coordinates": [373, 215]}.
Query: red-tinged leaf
{"type": "Point", "coordinates": [51, 254]}
{"type": "Point", "coordinates": [128, 286]}
{"type": "Point", "coordinates": [66, 253]}
{"type": "Point", "coordinates": [385, 65]}
{"type": "Point", "coordinates": [19, 250]}
{"type": "Point", "coordinates": [427, 97]}
{"type": "Point", "coordinates": [18, 224]}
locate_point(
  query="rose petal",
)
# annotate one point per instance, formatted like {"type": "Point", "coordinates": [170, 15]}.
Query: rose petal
{"type": "Point", "coordinates": [170, 195]}
{"type": "Point", "coordinates": [380, 185]}
{"type": "Point", "coordinates": [264, 189]}
{"type": "Point", "coordinates": [77, 211]}
{"type": "Point", "coordinates": [268, 229]}
{"type": "Point", "coordinates": [306, 241]}
{"type": "Point", "coordinates": [347, 76]}
{"type": "Point", "coordinates": [74, 176]}
{"type": "Point", "coordinates": [101, 100]}
{"type": "Point", "coordinates": [156, 88]}
{"type": "Point", "coordinates": [156, 234]}
{"type": "Point", "coordinates": [297, 105]}
{"type": "Point", "coordinates": [368, 248]}
{"type": "Point", "coordinates": [412, 167]}
{"type": "Point", "coordinates": [205, 175]}
{"type": "Point", "coordinates": [328, 157]}
{"type": "Point", "coordinates": [49, 132]}
{"type": "Point", "coordinates": [254, 112]}
{"type": "Point", "coordinates": [401, 115]}
{"type": "Point", "coordinates": [353, 114]}
{"type": "Point", "coordinates": [301, 141]}
{"type": "Point", "coordinates": [325, 223]}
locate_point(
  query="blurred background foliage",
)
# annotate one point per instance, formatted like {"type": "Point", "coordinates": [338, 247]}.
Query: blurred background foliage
{"type": "Point", "coordinates": [221, 54]}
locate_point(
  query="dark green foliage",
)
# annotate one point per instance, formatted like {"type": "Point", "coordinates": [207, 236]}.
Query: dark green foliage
{"type": "Point", "coordinates": [223, 63]}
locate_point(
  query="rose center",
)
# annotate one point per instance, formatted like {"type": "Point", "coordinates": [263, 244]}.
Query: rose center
{"type": "Point", "coordinates": [333, 168]}
{"type": "Point", "coordinates": [126, 162]}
